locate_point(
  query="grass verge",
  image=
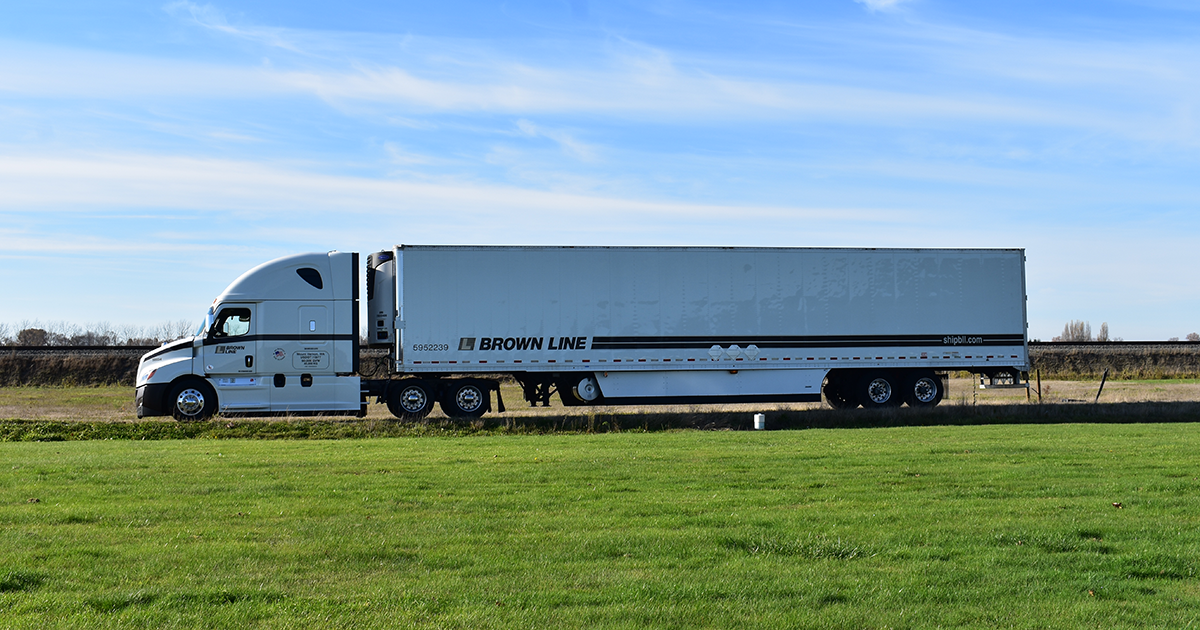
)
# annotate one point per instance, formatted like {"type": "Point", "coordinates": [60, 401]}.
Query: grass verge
{"type": "Point", "coordinates": [19, 430]}
{"type": "Point", "coordinates": [992, 526]}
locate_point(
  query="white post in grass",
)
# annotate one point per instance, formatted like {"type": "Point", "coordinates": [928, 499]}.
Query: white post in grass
{"type": "Point", "coordinates": [760, 421]}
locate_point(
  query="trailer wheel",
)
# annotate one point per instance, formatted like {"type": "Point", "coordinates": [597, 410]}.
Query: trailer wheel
{"type": "Point", "coordinates": [836, 394]}
{"type": "Point", "coordinates": [879, 390]}
{"type": "Point", "coordinates": [924, 389]}
{"type": "Point", "coordinates": [192, 399]}
{"type": "Point", "coordinates": [410, 400]}
{"type": "Point", "coordinates": [566, 393]}
{"type": "Point", "coordinates": [466, 399]}
{"type": "Point", "coordinates": [585, 392]}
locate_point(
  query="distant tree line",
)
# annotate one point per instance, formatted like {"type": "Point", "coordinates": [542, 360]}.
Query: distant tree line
{"type": "Point", "coordinates": [35, 333]}
{"type": "Point", "coordinates": [1076, 330]}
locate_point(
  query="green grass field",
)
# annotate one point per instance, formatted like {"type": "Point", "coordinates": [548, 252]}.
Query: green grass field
{"type": "Point", "coordinates": [919, 527]}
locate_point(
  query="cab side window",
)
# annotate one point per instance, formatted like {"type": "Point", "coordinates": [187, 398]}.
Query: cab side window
{"type": "Point", "coordinates": [231, 322]}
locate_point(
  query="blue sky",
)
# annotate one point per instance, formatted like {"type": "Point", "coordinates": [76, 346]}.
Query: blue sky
{"type": "Point", "coordinates": [152, 151]}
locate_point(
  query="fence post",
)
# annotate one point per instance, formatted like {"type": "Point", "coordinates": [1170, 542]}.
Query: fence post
{"type": "Point", "coordinates": [1102, 379]}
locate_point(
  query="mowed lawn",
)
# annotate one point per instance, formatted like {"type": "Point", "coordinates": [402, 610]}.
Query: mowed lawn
{"type": "Point", "coordinates": [991, 526]}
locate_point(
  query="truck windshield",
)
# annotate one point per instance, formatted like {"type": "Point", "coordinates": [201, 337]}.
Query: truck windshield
{"type": "Point", "coordinates": [205, 323]}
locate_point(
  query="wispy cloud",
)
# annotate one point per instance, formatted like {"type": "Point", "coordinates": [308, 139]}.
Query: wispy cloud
{"type": "Point", "coordinates": [566, 141]}
{"type": "Point", "coordinates": [209, 17]}
{"type": "Point", "coordinates": [44, 71]}
{"type": "Point", "coordinates": [87, 183]}
{"type": "Point", "coordinates": [882, 5]}
{"type": "Point", "coordinates": [1043, 81]}
{"type": "Point", "coordinates": [401, 157]}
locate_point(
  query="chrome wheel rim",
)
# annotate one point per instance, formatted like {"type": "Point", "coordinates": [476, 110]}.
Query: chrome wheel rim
{"type": "Point", "coordinates": [190, 402]}
{"type": "Point", "coordinates": [413, 399]}
{"type": "Point", "coordinates": [468, 398]}
{"type": "Point", "coordinates": [925, 390]}
{"type": "Point", "coordinates": [588, 389]}
{"type": "Point", "coordinates": [879, 390]}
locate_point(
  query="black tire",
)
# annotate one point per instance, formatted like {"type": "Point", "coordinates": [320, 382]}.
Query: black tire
{"type": "Point", "coordinates": [838, 395]}
{"type": "Point", "coordinates": [410, 400]}
{"type": "Point", "coordinates": [566, 393]}
{"type": "Point", "coordinates": [192, 400]}
{"type": "Point", "coordinates": [569, 392]}
{"type": "Point", "coordinates": [923, 389]}
{"type": "Point", "coordinates": [464, 399]}
{"type": "Point", "coordinates": [879, 390]}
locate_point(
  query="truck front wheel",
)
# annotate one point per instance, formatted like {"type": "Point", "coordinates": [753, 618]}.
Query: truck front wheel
{"type": "Point", "coordinates": [410, 400]}
{"type": "Point", "coordinates": [192, 399]}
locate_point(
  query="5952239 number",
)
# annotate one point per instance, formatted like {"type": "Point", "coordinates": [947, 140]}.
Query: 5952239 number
{"type": "Point", "coordinates": [430, 347]}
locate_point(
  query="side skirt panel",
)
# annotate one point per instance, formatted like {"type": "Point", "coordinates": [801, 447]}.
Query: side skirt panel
{"type": "Point", "coordinates": [714, 385]}
{"type": "Point", "coordinates": [701, 400]}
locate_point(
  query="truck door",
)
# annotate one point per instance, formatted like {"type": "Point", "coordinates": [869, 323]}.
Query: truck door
{"type": "Point", "coordinates": [303, 372]}
{"type": "Point", "coordinates": [231, 359]}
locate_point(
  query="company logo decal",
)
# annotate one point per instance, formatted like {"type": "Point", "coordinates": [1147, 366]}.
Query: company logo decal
{"type": "Point", "coordinates": [229, 349]}
{"type": "Point", "coordinates": [279, 354]}
{"type": "Point", "coordinates": [467, 344]}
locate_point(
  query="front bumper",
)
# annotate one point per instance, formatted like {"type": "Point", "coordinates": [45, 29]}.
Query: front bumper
{"type": "Point", "coordinates": [150, 400]}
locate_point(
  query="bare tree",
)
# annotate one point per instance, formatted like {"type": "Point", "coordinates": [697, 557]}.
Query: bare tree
{"type": "Point", "coordinates": [1193, 336]}
{"type": "Point", "coordinates": [54, 334]}
{"type": "Point", "coordinates": [1103, 334]}
{"type": "Point", "coordinates": [1172, 338]}
{"type": "Point", "coordinates": [5, 334]}
{"type": "Point", "coordinates": [1077, 330]}
{"type": "Point", "coordinates": [135, 335]}
{"type": "Point", "coordinates": [181, 328]}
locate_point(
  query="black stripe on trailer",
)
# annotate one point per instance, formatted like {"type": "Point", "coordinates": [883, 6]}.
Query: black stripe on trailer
{"type": "Point", "coordinates": [786, 341]}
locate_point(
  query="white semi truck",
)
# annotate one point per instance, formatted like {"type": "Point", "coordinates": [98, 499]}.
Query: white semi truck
{"type": "Point", "coordinates": [597, 326]}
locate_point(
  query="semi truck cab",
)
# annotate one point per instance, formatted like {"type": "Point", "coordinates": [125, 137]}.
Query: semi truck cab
{"type": "Point", "coordinates": [282, 337]}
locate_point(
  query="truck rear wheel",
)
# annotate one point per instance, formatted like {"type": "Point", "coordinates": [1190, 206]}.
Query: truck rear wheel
{"type": "Point", "coordinates": [879, 390]}
{"type": "Point", "coordinates": [192, 399]}
{"type": "Point", "coordinates": [923, 389]}
{"type": "Point", "coordinates": [566, 393]}
{"type": "Point", "coordinates": [585, 391]}
{"type": "Point", "coordinates": [410, 400]}
{"type": "Point", "coordinates": [465, 399]}
{"type": "Point", "coordinates": [837, 394]}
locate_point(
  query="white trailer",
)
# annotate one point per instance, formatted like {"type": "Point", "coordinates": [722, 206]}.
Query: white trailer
{"type": "Point", "coordinates": [600, 326]}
